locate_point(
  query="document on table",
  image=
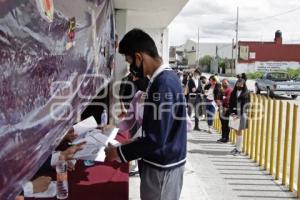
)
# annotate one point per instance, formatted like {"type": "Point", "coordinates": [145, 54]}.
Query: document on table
{"type": "Point", "coordinates": [96, 142]}
{"type": "Point", "coordinates": [96, 137]}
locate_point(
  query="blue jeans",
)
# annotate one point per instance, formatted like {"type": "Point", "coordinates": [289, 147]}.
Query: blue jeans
{"type": "Point", "coordinates": [210, 112]}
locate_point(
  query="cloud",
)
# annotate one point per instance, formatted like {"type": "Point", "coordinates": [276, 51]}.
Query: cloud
{"type": "Point", "coordinates": [204, 7]}
{"type": "Point", "coordinates": [216, 20]}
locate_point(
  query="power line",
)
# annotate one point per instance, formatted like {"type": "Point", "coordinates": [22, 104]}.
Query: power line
{"type": "Point", "coordinates": [272, 16]}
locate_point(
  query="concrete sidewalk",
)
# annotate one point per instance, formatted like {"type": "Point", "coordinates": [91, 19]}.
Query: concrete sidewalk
{"type": "Point", "coordinates": [213, 174]}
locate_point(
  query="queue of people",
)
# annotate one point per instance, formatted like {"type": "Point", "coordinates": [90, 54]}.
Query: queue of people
{"type": "Point", "coordinates": [215, 96]}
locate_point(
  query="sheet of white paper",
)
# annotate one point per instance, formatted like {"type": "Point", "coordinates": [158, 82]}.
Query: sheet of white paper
{"type": "Point", "coordinates": [87, 151]}
{"type": "Point", "coordinates": [234, 122]}
{"type": "Point", "coordinates": [97, 137]}
{"type": "Point", "coordinates": [101, 155]}
{"type": "Point", "coordinates": [85, 125]}
{"type": "Point", "coordinates": [115, 143]}
{"type": "Point", "coordinates": [49, 193]}
{"type": "Point", "coordinates": [96, 143]}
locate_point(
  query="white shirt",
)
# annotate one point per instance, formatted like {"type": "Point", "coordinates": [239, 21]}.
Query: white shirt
{"type": "Point", "coordinates": [196, 82]}
{"type": "Point", "coordinates": [210, 94]}
{"type": "Point", "coordinates": [159, 70]}
{"type": "Point", "coordinates": [238, 93]}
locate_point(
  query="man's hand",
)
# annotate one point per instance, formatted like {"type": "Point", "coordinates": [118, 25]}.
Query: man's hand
{"type": "Point", "coordinates": [41, 184]}
{"type": "Point", "coordinates": [69, 152]}
{"type": "Point", "coordinates": [194, 89]}
{"type": "Point", "coordinates": [111, 153]}
{"type": "Point", "coordinates": [71, 166]}
{"type": "Point", "coordinates": [70, 136]}
{"type": "Point", "coordinates": [122, 114]}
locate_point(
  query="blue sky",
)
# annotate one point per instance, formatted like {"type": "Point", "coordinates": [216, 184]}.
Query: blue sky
{"type": "Point", "coordinates": [259, 19]}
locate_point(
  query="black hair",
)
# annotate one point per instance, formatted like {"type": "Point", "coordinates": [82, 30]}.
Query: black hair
{"type": "Point", "coordinates": [137, 41]}
{"type": "Point", "coordinates": [197, 71]}
{"type": "Point", "coordinates": [213, 78]}
{"type": "Point", "coordinates": [244, 76]}
{"type": "Point", "coordinates": [241, 80]}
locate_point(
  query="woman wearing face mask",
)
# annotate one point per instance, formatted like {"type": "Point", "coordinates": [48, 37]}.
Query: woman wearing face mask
{"type": "Point", "coordinates": [238, 105]}
{"type": "Point", "coordinates": [213, 96]}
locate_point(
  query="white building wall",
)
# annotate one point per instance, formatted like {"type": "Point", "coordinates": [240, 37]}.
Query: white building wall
{"type": "Point", "coordinates": [124, 23]}
{"type": "Point", "coordinates": [265, 66]}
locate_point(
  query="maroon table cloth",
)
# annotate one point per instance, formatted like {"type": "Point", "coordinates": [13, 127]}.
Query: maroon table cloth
{"type": "Point", "coordinates": [103, 181]}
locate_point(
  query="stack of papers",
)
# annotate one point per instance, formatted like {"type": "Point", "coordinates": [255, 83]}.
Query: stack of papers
{"type": "Point", "coordinates": [96, 141]}
{"type": "Point", "coordinates": [85, 126]}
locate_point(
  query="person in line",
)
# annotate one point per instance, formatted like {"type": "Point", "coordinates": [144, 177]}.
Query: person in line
{"type": "Point", "coordinates": [224, 111]}
{"type": "Point", "coordinates": [238, 105]}
{"type": "Point", "coordinates": [132, 121]}
{"type": "Point", "coordinates": [126, 93]}
{"type": "Point", "coordinates": [185, 88]}
{"type": "Point", "coordinates": [213, 97]}
{"type": "Point", "coordinates": [162, 147]}
{"type": "Point", "coordinates": [195, 98]}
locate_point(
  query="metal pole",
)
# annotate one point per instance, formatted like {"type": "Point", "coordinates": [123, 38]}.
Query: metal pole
{"type": "Point", "coordinates": [253, 129]}
{"type": "Point", "coordinates": [231, 62]}
{"type": "Point", "coordinates": [286, 144]}
{"type": "Point", "coordinates": [273, 137]}
{"type": "Point", "coordinates": [198, 46]}
{"type": "Point", "coordinates": [237, 39]}
{"type": "Point", "coordinates": [262, 137]}
{"type": "Point", "coordinates": [278, 163]}
{"type": "Point", "coordinates": [293, 150]}
{"type": "Point", "coordinates": [268, 134]}
{"type": "Point", "coordinates": [258, 128]}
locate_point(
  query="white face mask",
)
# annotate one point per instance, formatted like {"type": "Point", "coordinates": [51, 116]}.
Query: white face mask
{"type": "Point", "coordinates": [197, 77]}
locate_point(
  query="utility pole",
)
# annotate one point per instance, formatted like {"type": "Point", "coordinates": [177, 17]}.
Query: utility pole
{"type": "Point", "coordinates": [197, 53]}
{"type": "Point", "coordinates": [217, 58]}
{"type": "Point", "coordinates": [237, 39]}
{"type": "Point", "coordinates": [231, 62]}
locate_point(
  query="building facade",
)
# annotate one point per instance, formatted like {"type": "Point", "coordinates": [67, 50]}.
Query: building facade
{"type": "Point", "coordinates": [267, 56]}
{"type": "Point", "coordinates": [192, 52]}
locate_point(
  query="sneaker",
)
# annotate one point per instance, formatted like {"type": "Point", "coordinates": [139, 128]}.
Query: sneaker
{"type": "Point", "coordinates": [235, 152]}
{"type": "Point", "coordinates": [209, 130]}
{"type": "Point", "coordinates": [197, 129]}
{"type": "Point", "coordinates": [133, 173]}
{"type": "Point", "coordinates": [222, 140]}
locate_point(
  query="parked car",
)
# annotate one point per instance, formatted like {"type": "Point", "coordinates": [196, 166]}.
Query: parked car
{"type": "Point", "coordinates": [277, 83]}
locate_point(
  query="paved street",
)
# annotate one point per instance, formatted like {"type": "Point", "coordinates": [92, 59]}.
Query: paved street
{"type": "Point", "coordinates": [213, 174]}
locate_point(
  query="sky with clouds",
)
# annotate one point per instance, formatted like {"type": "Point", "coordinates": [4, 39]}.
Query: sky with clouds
{"type": "Point", "coordinates": [216, 19]}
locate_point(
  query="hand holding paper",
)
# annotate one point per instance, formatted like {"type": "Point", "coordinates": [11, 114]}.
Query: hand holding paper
{"type": "Point", "coordinates": [85, 125]}
{"type": "Point", "coordinates": [95, 145]}
{"type": "Point", "coordinates": [111, 153]}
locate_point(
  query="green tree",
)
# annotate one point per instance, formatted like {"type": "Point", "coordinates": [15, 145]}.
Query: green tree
{"type": "Point", "coordinates": [205, 60]}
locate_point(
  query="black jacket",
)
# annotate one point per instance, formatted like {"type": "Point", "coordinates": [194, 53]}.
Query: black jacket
{"type": "Point", "coordinates": [217, 91]}
{"type": "Point", "coordinates": [239, 105]}
{"type": "Point", "coordinates": [191, 85]}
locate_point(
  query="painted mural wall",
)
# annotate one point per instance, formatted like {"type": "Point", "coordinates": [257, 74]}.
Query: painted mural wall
{"type": "Point", "coordinates": [55, 56]}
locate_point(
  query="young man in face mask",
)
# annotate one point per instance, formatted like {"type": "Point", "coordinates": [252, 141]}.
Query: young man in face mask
{"type": "Point", "coordinates": [162, 147]}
